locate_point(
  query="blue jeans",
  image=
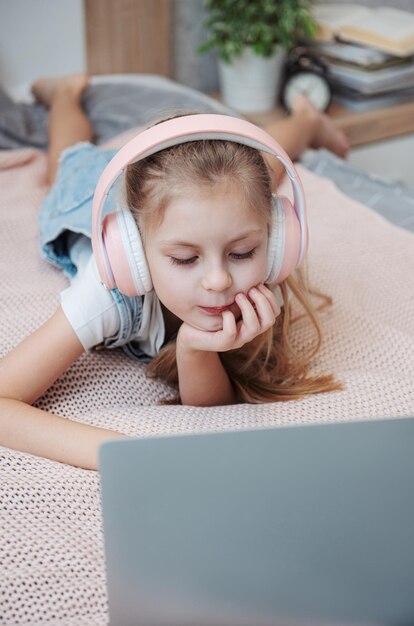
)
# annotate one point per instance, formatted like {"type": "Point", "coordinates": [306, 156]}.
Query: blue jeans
{"type": "Point", "coordinates": [65, 222]}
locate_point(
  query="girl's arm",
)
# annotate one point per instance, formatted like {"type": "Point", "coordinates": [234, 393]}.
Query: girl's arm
{"type": "Point", "coordinates": [203, 381]}
{"type": "Point", "coordinates": [25, 374]}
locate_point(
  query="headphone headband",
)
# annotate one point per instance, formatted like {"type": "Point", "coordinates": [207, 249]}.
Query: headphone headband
{"type": "Point", "coordinates": [182, 130]}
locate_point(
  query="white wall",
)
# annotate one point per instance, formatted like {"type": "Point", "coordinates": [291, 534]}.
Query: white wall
{"type": "Point", "coordinates": [39, 38]}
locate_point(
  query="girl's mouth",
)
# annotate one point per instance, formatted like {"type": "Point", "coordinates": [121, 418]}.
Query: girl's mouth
{"type": "Point", "coordinates": [214, 310]}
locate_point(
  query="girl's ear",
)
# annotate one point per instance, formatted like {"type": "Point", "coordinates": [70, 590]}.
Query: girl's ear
{"type": "Point", "coordinates": [126, 254]}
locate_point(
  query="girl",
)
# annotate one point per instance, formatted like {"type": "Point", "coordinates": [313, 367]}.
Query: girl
{"type": "Point", "coordinates": [210, 326]}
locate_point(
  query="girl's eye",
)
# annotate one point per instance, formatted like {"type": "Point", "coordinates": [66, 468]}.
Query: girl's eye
{"type": "Point", "coordinates": [244, 255]}
{"type": "Point", "coordinates": [235, 255]}
{"type": "Point", "coordinates": [175, 261]}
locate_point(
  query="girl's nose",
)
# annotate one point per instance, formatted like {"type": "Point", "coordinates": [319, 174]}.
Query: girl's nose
{"type": "Point", "coordinates": [217, 279]}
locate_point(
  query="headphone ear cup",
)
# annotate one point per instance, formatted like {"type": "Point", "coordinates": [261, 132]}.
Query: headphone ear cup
{"type": "Point", "coordinates": [126, 254]}
{"type": "Point", "coordinates": [284, 241]}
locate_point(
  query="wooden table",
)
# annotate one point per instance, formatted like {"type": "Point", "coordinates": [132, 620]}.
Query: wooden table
{"type": "Point", "coordinates": [361, 128]}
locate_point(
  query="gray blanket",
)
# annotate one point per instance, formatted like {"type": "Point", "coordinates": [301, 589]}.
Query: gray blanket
{"type": "Point", "coordinates": [393, 201]}
{"type": "Point", "coordinates": [113, 104]}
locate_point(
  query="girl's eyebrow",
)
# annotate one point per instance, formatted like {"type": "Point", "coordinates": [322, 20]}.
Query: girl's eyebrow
{"type": "Point", "coordinates": [174, 242]}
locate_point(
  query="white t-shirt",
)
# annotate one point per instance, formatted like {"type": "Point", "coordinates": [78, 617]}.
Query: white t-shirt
{"type": "Point", "coordinates": [93, 314]}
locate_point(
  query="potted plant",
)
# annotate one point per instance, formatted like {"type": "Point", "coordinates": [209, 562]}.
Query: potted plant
{"type": "Point", "coordinates": [251, 37]}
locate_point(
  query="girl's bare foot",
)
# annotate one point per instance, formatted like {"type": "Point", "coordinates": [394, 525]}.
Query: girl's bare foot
{"type": "Point", "coordinates": [45, 89]}
{"type": "Point", "coordinates": [326, 134]}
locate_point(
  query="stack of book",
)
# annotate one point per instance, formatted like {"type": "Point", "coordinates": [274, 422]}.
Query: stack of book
{"type": "Point", "coordinates": [369, 53]}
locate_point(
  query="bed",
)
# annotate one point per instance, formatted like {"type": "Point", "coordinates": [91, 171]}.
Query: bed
{"type": "Point", "coordinates": [51, 543]}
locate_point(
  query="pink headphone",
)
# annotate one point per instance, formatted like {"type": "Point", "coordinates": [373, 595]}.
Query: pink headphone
{"type": "Point", "coordinates": [116, 241]}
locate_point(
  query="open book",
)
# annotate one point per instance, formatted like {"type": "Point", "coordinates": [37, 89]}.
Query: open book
{"type": "Point", "coordinates": [390, 30]}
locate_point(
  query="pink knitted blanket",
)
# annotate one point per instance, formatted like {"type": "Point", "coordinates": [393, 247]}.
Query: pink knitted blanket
{"type": "Point", "coordinates": [51, 543]}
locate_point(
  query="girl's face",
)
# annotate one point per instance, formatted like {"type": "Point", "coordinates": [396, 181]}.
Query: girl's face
{"type": "Point", "coordinates": [209, 247]}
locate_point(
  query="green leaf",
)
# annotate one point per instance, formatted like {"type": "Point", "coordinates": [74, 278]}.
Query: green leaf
{"type": "Point", "coordinates": [234, 25]}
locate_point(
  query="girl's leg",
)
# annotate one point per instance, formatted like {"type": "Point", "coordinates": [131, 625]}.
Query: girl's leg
{"type": "Point", "coordinates": [305, 128]}
{"type": "Point", "coordinates": [68, 123]}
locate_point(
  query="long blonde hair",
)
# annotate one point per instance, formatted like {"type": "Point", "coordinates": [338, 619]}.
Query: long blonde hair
{"type": "Point", "coordinates": [268, 368]}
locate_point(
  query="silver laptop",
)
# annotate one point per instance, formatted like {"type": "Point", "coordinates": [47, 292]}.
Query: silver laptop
{"type": "Point", "coordinates": [292, 525]}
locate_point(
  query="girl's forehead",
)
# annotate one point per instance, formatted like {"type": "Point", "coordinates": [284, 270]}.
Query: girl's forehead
{"type": "Point", "coordinates": [206, 209]}
{"type": "Point", "coordinates": [200, 224]}
{"type": "Point", "coordinates": [218, 208]}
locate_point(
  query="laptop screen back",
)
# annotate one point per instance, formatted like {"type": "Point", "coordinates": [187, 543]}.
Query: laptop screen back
{"type": "Point", "coordinates": [293, 525]}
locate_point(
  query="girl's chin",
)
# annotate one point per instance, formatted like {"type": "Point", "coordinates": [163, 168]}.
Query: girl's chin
{"type": "Point", "coordinates": [212, 326]}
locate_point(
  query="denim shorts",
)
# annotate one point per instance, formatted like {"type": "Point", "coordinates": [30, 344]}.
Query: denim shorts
{"type": "Point", "coordinates": [65, 222]}
{"type": "Point", "coordinates": [68, 205]}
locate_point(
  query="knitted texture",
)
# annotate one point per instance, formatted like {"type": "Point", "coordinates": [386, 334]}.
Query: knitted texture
{"type": "Point", "coordinates": [51, 542]}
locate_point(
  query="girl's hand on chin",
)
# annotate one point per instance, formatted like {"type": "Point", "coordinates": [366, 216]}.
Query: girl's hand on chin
{"type": "Point", "coordinates": [255, 321]}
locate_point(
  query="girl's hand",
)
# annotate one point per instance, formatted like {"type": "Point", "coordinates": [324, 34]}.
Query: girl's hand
{"type": "Point", "coordinates": [255, 321]}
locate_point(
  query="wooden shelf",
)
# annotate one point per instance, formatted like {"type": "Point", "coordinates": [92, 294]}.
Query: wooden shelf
{"type": "Point", "coordinates": [370, 126]}
{"type": "Point", "coordinates": [361, 128]}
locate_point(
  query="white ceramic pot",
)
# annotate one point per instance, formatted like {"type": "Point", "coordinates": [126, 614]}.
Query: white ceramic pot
{"type": "Point", "coordinates": [250, 83]}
